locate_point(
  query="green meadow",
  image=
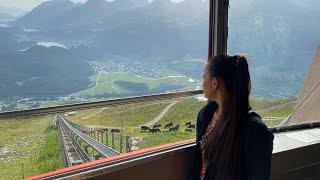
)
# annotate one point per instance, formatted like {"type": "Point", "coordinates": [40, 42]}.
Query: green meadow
{"type": "Point", "coordinates": [28, 147]}
{"type": "Point", "coordinates": [106, 83]}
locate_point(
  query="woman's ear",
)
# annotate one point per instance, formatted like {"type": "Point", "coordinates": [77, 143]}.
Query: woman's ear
{"type": "Point", "coordinates": [214, 83]}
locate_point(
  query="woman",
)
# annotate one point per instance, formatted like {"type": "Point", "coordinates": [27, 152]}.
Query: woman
{"type": "Point", "coordinates": [233, 144]}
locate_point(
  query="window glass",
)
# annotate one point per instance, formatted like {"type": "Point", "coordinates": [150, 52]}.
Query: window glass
{"type": "Point", "coordinates": [63, 52]}
{"type": "Point", "coordinates": [73, 51]}
{"type": "Point", "coordinates": [282, 41]}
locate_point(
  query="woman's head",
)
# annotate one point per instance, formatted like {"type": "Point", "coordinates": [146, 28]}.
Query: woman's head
{"type": "Point", "coordinates": [227, 76]}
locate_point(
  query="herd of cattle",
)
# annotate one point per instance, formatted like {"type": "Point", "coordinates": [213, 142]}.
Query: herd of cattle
{"type": "Point", "coordinates": [169, 127]}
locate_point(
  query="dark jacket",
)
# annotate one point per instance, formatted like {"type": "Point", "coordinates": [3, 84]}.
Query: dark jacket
{"type": "Point", "coordinates": [257, 147]}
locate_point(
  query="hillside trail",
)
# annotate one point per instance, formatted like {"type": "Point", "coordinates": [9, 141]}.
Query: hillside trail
{"type": "Point", "coordinates": [95, 83]}
{"type": "Point", "coordinates": [94, 114]}
{"type": "Point", "coordinates": [150, 123]}
{"type": "Point", "coordinates": [160, 115]}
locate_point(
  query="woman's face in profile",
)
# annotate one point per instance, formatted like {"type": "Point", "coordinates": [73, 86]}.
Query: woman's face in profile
{"type": "Point", "coordinates": [208, 83]}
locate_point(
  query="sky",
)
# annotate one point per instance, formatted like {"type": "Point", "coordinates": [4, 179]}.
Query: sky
{"type": "Point", "coordinates": [29, 4]}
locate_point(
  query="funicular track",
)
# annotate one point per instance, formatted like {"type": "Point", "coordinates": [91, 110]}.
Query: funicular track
{"type": "Point", "coordinates": [72, 151]}
{"type": "Point", "coordinates": [76, 135]}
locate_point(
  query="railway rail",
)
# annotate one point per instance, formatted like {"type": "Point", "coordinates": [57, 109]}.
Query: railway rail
{"type": "Point", "coordinates": [97, 146]}
{"type": "Point", "coordinates": [73, 153]}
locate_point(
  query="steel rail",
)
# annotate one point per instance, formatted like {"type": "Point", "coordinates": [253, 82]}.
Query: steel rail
{"type": "Point", "coordinates": [62, 143]}
{"type": "Point", "coordinates": [83, 156]}
{"type": "Point", "coordinates": [96, 145]}
{"type": "Point", "coordinates": [77, 152]}
{"type": "Point", "coordinates": [90, 105]}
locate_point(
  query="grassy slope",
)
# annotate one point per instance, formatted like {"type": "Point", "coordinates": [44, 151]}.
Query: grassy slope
{"type": "Point", "coordinates": [258, 103]}
{"type": "Point", "coordinates": [49, 158]}
{"type": "Point", "coordinates": [106, 83]}
{"type": "Point", "coordinates": [133, 115]}
{"type": "Point", "coordinates": [185, 110]}
{"type": "Point", "coordinates": [16, 134]}
{"type": "Point", "coordinates": [275, 117]}
{"type": "Point", "coordinates": [20, 140]}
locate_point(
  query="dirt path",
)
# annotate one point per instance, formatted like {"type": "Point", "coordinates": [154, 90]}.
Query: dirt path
{"type": "Point", "coordinates": [95, 84]}
{"type": "Point", "coordinates": [161, 114]}
{"type": "Point", "coordinates": [97, 80]}
{"type": "Point", "coordinates": [100, 111]}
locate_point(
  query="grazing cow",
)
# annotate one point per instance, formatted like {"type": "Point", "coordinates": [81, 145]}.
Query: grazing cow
{"type": "Point", "coordinates": [188, 130]}
{"type": "Point", "coordinates": [156, 126]}
{"type": "Point", "coordinates": [169, 125]}
{"type": "Point", "coordinates": [191, 126]}
{"type": "Point", "coordinates": [188, 123]}
{"type": "Point", "coordinates": [115, 130]}
{"type": "Point", "coordinates": [154, 130]}
{"type": "Point", "coordinates": [144, 128]}
{"type": "Point", "coordinates": [175, 128]}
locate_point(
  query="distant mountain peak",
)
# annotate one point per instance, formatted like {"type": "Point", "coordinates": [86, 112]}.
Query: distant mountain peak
{"type": "Point", "coordinates": [161, 2]}
{"type": "Point", "coordinates": [96, 2]}
{"type": "Point", "coordinates": [44, 13]}
{"type": "Point", "coordinates": [130, 3]}
{"type": "Point", "coordinates": [55, 3]}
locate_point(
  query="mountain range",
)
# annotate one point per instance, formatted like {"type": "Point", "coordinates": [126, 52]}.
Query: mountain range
{"type": "Point", "coordinates": [10, 13]}
{"type": "Point", "coordinates": [161, 26]}
{"type": "Point", "coordinates": [280, 37]}
{"type": "Point", "coordinates": [276, 35]}
{"type": "Point", "coordinates": [42, 72]}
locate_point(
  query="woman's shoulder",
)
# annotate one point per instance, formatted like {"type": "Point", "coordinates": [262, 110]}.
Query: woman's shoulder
{"type": "Point", "coordinates": [255, 125]}
{"type": "Point", "coordinates": [206, 112]}
{"type": "Point", "coordinates": [254, 119]}
{"type": "Point", "coordinates": [210, 106]}
{"type": "Point", "coordinates": [204, 116]}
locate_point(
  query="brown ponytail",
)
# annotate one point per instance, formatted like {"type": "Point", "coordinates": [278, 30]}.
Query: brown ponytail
{"type": "Point", "coordinates": [224, 147]}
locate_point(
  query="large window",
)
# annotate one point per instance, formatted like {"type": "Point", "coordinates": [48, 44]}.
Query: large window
{"type": "Point", "coordinates": [64, 52]}
{"type": "Point", "coordinates": [281, 39]}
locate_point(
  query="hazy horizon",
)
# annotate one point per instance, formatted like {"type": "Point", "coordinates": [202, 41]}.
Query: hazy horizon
{"type": "Point", "coordinates": [30, 4]}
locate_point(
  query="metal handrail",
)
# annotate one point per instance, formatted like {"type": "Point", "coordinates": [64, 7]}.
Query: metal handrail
{"type": "Point", "coordinates": [90, 105]}
{"type": "Point", "coordinates": [296, 127]}
{"type": "Point", "coordinates": [122, 101]}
